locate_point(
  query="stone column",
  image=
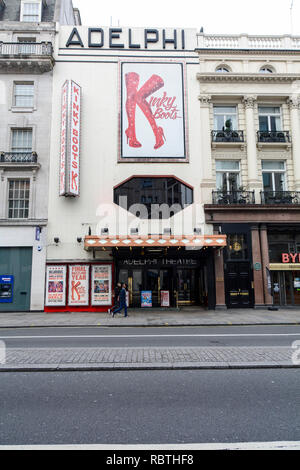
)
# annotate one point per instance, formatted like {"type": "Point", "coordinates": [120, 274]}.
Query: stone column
{"type": "Point", "coordinates": [208, 183]}
{"type": "Point", "coordinates": [219, 275]}
{"type": "Point", "coordinates": [253, 181]}
{"type": "Point", "coordinates": [257, 268]}
{"type": "Point", "coordinates": [294, 105]}
{"type": "Point", "coordinates": [265, 262]}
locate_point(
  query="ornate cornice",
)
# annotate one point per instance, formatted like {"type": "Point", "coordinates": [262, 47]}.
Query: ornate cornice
{"type": "Point", "coordinates": [261, 52]}
{"type": "Point", "coordinates": [247, 77]}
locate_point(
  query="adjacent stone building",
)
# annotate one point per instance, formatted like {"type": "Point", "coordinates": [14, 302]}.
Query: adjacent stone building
{"type": "Point", "coordinates": [28, 30]}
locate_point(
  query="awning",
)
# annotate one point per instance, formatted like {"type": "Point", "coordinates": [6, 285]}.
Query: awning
{"type": "Point", "coordinates": [94, 242]}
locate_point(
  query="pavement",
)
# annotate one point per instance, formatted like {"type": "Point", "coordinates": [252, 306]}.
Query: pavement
{"type": "Point", "coordinates": [149, 358]}
{"type": "Point", "coordinates": [189, 316]}
{"type": "Point", "coordinates": [146, 358]}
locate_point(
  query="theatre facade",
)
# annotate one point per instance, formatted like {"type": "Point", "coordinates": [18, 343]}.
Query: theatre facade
{"type": "Point", "coordinates": [174, 169]}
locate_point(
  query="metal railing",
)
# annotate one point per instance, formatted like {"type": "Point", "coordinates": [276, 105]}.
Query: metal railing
{"type": "Point", "coordinates": [280, 197]}
{"type": "Point", "coordinates": [18, 157]}
{"type": "Point", "coordinates": [273, 136]}
{"type": "Point", "coordinates": [233, 197]}
{"type": "Point", "coordinates": [227, 136]}
{"type": "Point", "coordinates": [25, 49]}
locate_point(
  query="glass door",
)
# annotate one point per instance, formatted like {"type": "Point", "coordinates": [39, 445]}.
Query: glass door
{"type": "Point", "coordinates": [137, 287]}
{"type": "Point", "coordinates": [152, 284]}
{"type": "Point", "coordinates": [166, 284]}
{"type": "Point", "coordinates": [186, 286]}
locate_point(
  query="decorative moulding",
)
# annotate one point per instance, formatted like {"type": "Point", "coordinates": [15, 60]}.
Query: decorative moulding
{"type": "Point", "coordinates": [242, 77]}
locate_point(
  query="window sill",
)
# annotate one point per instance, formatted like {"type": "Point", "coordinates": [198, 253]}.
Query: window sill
{"type": "Point", "coordinates": [241, 145]}
{"type": "Point", "coordinates": [265, 145]}
{"type": "Point", "coordinates": [17, 109]}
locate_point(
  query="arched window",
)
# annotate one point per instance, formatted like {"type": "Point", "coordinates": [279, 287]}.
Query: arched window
{"type": "Point", "coordinates": [266, 69]}
{"type": "Point", "coordinates": [222, 69]}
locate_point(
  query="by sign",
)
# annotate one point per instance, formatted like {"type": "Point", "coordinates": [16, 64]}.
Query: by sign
{"type": "Point", "coordinates": [291, 257]}
{"type": "Point", "coordinates": [69, 181]}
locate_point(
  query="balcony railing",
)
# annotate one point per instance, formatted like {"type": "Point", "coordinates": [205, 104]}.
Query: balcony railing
{"type": "Point", "coordinates": [233, 197]}
{"type": "Point", "coordinates": [227, 136]}
{"type": "Point", "coordinates": [245, 41]}
{"type": "Point", "coordinates": [280, 197]}
{"type": "Point", "coordinates": [18, 157]}
{"type": "Point", "coordinates": [273, 136]}
{"type": "Point", "coordinates": [21, 49]}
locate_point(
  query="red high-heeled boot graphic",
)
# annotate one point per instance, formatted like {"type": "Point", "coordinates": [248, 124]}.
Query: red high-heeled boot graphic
{"type": "Point", "coordinates": [154, 83]}
{"type": "Point", "coordinates": [132, 82]}
{"type": "Point", "coordinates": [135, 97]}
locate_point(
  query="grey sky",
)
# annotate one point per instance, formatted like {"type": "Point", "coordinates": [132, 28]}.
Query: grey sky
{"type": "Point", "coordinates": [217, 16]}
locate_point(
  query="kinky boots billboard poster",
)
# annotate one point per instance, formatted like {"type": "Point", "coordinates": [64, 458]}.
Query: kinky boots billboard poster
{"type": "Point", "coordinates": [153, 116]}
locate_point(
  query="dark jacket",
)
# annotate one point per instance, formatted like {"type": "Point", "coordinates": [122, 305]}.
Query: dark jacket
{"type": "Point", "coordinates": [117, 292]}
{"type": "Point", "coordinates": [122, 296]}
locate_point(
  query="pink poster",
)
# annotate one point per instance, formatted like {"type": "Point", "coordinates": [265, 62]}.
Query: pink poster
{"type": "Point", "coordinates": [153, 110]}
{"type": "Point", "coordinates": [78, 285]}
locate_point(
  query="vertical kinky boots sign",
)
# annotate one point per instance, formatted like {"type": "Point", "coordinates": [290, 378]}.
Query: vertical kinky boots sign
{"type": "Point", "coordinates": [69, 178]}
{"type": "Point", "coordinates": [153, 124]}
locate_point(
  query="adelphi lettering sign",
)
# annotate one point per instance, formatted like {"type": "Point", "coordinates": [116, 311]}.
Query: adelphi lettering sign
{"type": "Point", "coordinates": [121, 38]}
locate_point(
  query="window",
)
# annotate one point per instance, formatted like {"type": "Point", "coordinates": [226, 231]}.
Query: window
{"type": "Point", "coordinates": [237, 246]}
{"type": "Point", "coordinates": [24, 95]}
{"type": "Point", "coordinates": [266, 69]}
{"type": "Point", "coordinates": [225, 117]}
{"type": "Point", "coordinates": [31, 11]}
{"type": "Point", "coordinates": [269, 118]}
{"type": "Point", "coordinates": [151, 193]}
{"type": "Point", "coordinates": [273, 175]}
{"type": "Point", "coordinates": [222, 69]}
{"type": "Point", "coordinates": [228, 175]}
{"type": "Point", "coordinates": [21, 141]}
{"type": "Point", "coordinates": [18, 199]}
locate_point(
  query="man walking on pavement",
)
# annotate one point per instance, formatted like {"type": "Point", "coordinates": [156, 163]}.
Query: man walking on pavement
{"type": "Point", "coordinates": [117, 300]}
{"type": "Point", "coordinates": [122, 297]}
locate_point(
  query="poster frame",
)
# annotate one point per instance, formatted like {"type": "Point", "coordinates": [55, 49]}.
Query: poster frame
{"type": "Point", "coordinates": [134, 159]}
{"type": "Point", "coordinates": [87, 302]}
{"type": "Point", "coordinates": [93, 302]}
{"type": "Point", "coordinates": [63, 267]}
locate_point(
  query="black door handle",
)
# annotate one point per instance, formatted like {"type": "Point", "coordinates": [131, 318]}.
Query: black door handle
{"type": "Point", "coordinates": [23, 293]}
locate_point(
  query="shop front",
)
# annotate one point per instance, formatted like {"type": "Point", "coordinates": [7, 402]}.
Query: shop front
{"type": "Point", "coordinates": [164, 276]}
{"type": "Point", "coordinates": [284, 253]}
{"type": "Point", "coordinates": [167, 278]}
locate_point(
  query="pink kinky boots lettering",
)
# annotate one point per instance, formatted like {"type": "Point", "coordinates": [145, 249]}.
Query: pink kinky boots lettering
{"type": "Point", "coordinates": [134, 98]}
